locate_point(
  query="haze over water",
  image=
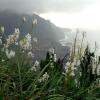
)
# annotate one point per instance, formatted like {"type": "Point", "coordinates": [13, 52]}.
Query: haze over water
{"type": "Point", "coordinates": [87, 19]}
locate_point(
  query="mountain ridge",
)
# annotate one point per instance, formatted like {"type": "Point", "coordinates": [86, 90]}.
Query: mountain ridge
{"type": "Point", "coordinates": [47, 33]}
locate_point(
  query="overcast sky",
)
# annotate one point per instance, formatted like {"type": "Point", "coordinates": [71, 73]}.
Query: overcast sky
{"type": "Point", "coordinates": [42, 6]}
{"type": "Point", "coordinates": [63, 13]}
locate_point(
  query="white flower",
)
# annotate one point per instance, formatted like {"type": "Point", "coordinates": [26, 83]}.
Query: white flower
{"type": "Point", "coordinates": [98, 82]}
{"type": "Point", "coordinates": [24, 19]}
{"type": "Point", "coordinates": [30, 54]}
{"type": "Point", "coordinates": [80, 73]}
{"type": "Point", "coordinates": [35, 39]}
{"type": "Point", "coordinates": [9, 40]}
{"type": "Point", "coordinates": [33, 69]}
{"type": "Point", "coordinates": [51, 65]}
{"type": "Point", "coordinates": [3, 60]}
{"type": "Point", "coordinates": [51, 57]}
{"type": "Point", "coordinates": [2, 29]}
{"type": "Point", "coordinates": [68, 64]}
{"type": "Point", "coordinates": [55, 57]}
{"type": "Point", "coordinates": [73, 67]}
{"type": "Point", "coordinates": [28, 37]}
{"type": "Point", "coordinates": [36, 66]}
{"type": "Point", "coordinates": [75, 61]}
{"type": "Point", "coordinates": [69, 67]}
{"type": "Point", "coordinates": [78, 63]}
{"type": "Point", "coordinates": [63, 73]}
{"type": "Point", "coordinates": [17, 30]}
{"type": "Point", "coordinates": [13, 38]}
{"type": "Point", "coordinates": [37, 63]}
{"type": "Point", "coordinates": [98, 70]}
{"type": "Point", "coordinates": [34, 21]}
{"type": "Point", "coordinates": [26, 42]}
{"type": "Point", "coordinates": [94, 64]}
{"type": "Point", "coordinates": [72, 64]}
{"type": "Point", "coordinates": [40, 80]}
{"type": "Point", "coordinates": [66, 70]}
{"type": "Point", "coordinates": [23, 51]}
{"type": "Point", "coordinates": [76, 82]}
{"type": "Point", "coordinates": [44, 78]}
{"type": "Point", "coordinates": [93, 71]}
{"type": "Point", "coordinates": [72, 73]}
{"type": "Point", "coordinates": [51, 50]}
{"type": "Point", "coordinates": [0, 41]}
{"type": "Point", "coordinates": [16, 43]}
{"type": "Point", "coordinates": [14, 85]}
{"type": "Point", "coordinates": [10, 54]}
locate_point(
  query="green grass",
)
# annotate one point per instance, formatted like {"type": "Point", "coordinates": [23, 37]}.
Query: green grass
{"type": "Point", "coordinates": [18, 82]}
{"type": "Point", "coordinates": [50, 79]}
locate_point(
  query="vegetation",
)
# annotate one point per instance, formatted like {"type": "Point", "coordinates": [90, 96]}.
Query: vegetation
{"type": "Point", "coordinates": [75, 77]}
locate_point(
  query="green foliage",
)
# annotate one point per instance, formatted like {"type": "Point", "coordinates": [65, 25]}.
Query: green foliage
{"type": "Point", "coordinates": [23, 79]}
{"type": "Point", "coordinates": [18, 81]}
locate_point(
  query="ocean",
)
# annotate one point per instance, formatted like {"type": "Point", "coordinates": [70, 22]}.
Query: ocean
{"type": "Point", "coordinates": [92, 37]}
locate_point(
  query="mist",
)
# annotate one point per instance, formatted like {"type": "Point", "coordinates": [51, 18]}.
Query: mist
{"type": "Point", "coordinates": [44, 6]}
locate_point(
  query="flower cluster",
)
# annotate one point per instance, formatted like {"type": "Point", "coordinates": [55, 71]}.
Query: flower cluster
{"type": "Point", "coordinates": [52, 50]}
{"type": "Point", "coordinates": [35, 67]}
{"type": "Point", "coordinates": [2, 29]}
{"type": "Point", "coordinates": [13, 38]}
{"type": "Point", "coordinates": [95, 65]}
{"type": "Point", "coordinates": [98, 69]}
{"type": "Point", "coordinates": [13, 41]}
{"type": "Point", "coordinates": [26, 42]}
{"type": "Point", "coordinates": [0, 41]}
{"type": "Point", "coordinates": [30, 54]}
{"type": "Point", "coordinates": [98, 82]}
{"type": "Point", "coordinates": [1, 33]}
{"type": "Point", "coordinates": [44, 78]}
{"type": "Point", "coordinates": [53, 56]}
{"type": "Point", "coordinates": [10, 54]}
{"type": "Point", "coordinates": [70, 67]}
{"type": "Point", "coordinates": [51, 65]}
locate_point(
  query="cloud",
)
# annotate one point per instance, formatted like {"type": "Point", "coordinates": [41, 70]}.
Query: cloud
{"type": "Point", "coordinates": [43, 6]}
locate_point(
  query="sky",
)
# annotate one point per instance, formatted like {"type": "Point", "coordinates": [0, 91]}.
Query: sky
{"type": "Point", "coordinates": [86, 17]}
{"type": "Point", "coordinates": [63, 13]}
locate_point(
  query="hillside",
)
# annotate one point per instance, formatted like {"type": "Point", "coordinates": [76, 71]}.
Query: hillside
{"type": "Point", "coordinates": [47, 33]}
